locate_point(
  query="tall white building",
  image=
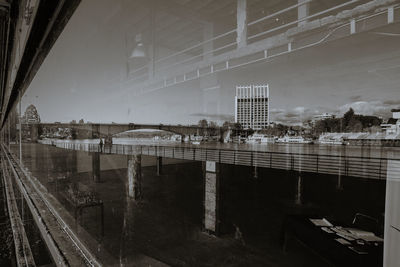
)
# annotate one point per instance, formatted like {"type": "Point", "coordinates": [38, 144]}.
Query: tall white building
{"type": "Point", "coordinates": [252, 106]}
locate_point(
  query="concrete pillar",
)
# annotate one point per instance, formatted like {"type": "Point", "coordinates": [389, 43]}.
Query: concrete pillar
{"type": "Point", "coordinates": [390, 16]}
{"type": "Point", "coordinates": [96, 167]}
{"type": "Point", "coordinates": [34, 129]}
{"type": "Point", "coordinates": [211, 197]}
{"type": "Point", "coordinates": [95, 130]}
{"type": "Point", "coordinates": [303, 11]}
{"type": "Point", "coordinates": [241, 22]}
{"type": "Point", "coordinates": [159, 166]}
{"type": "Point", "coordinates": [134, 181]}
{"type": "Point", "coordinates": [299, 190]}
{"type": "Point", "coordinates": [391, 255]}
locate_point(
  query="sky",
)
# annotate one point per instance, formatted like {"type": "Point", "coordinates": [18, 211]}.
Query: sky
{"type": "Point", "coordinates": [84, 76]}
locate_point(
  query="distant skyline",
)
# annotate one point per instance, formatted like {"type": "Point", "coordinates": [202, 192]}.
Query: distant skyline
{"type": "Point", "coordinates": [83, 77]}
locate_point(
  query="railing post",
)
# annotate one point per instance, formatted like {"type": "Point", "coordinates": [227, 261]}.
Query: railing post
{"type": "Point", "coordinates": [292, 162]}
{"type": "Point", "coordinates": [270, 160]}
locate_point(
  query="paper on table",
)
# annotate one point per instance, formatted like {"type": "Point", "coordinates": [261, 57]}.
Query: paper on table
{"type": "Point", "coordinates": [373, 238]}
{"type": "Point", "coordinates": [365, 235]}
{"type": "Point", "coordinates": [328, 230]}
{"type": "Point", "coordinates": [321, 222]}
{"type": "Point", "coordinates": [359, 232]}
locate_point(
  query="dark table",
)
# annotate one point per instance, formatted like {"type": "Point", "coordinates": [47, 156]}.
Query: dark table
{"type": "Point", "coordinates": [370, 254]}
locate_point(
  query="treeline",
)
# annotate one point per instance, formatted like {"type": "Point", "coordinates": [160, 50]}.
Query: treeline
{"type": "Point", "coordinates": [350, 122]}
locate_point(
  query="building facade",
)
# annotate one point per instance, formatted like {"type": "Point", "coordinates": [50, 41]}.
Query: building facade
{"type": "Point", "coordinates": [324, 116]}
{"type": "Point", "coordinates": [252, 106]}
{"type": "Point", "coordinates": [392, 127]}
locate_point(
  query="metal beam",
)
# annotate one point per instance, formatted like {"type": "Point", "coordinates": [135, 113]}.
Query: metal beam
{"type": "Point", "coordinates": [303, 11]}
{"type": "Point", "coordinates": [241, 22]}
{"type": "Point", "coordinates": [327, 23]}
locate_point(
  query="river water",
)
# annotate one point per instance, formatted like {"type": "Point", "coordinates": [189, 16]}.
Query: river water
{"type": "Point", "coordinates": [166, 225]}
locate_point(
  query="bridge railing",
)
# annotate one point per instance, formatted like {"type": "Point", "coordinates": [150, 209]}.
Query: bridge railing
{"type": "Point", "coordinates": [364, 167]}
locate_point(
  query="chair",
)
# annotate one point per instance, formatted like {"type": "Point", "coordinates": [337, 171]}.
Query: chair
{"type": "Point", "coordinates": [365, 222]}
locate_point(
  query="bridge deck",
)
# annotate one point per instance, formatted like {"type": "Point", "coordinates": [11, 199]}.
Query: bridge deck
{"type": "Point", "coordinates": [363, 167]}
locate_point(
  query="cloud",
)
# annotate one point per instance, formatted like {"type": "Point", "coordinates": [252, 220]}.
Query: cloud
{"type": "Point", "coordinates": [355, 98]}
{"type": "Point", "coordinates": [293, 116]}
{"type": "Point", "coordinates": [220, 117]}
{"type": "Point", "coordinates": [374, 108]}
{"type": "Point", "coordinates": [392, 102]}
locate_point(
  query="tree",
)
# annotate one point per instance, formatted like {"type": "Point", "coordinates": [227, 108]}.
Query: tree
{"type": "Point", "coordinates": [203, 123]}
{"type": "Point", "coordinates": [237, 126]}
{"type": "Point", "coordinates": [212, 124]}
{"type": "Point", "coordinates": [213, 128]}
{"type": "Point", "coordinates": [31, 115]}
{"type": "Point", "coordinates": [354, 126]}
{"type": "Point", "coordinates": [348, 116]}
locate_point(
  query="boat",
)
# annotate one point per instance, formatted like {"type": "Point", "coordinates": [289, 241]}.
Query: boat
{"type": "Point", "coordinates": [259, 139]}
{"type": "Point", "coordinates": [329, 140]}
{"type": "Point", "coordinates": [294, 140]}
{"type": "Point", "coordinates": [195, 142]}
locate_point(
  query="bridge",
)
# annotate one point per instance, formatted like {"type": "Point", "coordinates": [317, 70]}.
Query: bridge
{"type": "Point", "coordinates": [96, 130]}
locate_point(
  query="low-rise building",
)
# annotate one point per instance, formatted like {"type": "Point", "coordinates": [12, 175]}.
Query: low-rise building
{"type": "Point", "coordinates": [392, 126]}
{"type": "Point", "coordinates": [324, 116]}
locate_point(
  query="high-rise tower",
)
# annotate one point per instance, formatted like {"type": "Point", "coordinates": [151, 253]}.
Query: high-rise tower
{"type": "Point", "coordinates": [252, 106]}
